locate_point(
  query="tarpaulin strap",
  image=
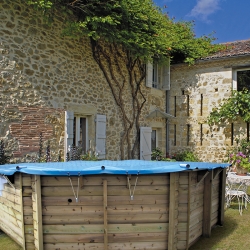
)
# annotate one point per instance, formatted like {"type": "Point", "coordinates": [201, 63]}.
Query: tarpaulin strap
{"type": "Point", "coordinates": [75, 194]}
{"type": "Point", "coordinates": [129, 186]}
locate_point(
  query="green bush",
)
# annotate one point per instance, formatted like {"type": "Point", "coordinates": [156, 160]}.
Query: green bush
{"type": "Point", "coordinates": [88, 157]}
{"type": "Point", "coordinates": [156, 154]}
{"type": "Point", "coordinates": [3, 157]}
{"type": "Point", "coordinates": [186, 156]}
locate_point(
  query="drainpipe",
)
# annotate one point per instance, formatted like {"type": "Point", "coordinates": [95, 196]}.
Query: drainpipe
{"type": "Point", "coordinates": [167, 124]}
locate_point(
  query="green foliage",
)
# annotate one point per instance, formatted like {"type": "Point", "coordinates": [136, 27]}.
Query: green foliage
{"type": "Point", "coordinates": [237, 105]}
{"type": "Point", "coordinates": [3, 157]}
{"type": "Point", "coordinates": [239, 160]}
{"type": "Point", "coordinates": [137, 25]}
{"type": "Point", "coordinates": [243, 145]}
{"type": "Point", "coordinates": [156, 154]}
{"type": "Point", "coordinates": [167, 159]}
{"type": "Point", "coordinates": [89, 157]}
{"type": "Point", "coordinates": [240, 155]}
{"type": "Point", "coordinates": [186, 156]}
{"type": "Point", "coordinates": [7, 243]}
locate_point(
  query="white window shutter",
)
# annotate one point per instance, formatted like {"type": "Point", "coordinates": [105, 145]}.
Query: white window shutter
{"type": "Point", "coordinates": [101, 136]}
{"type": "Point", "coordinates": [149, 75]}
{"type": "Point", "coordinates": [166, 76]}
{"type": "Point", "coordinates": [69, 129]}
{"type": "Point", "coordinates": [145, 143]}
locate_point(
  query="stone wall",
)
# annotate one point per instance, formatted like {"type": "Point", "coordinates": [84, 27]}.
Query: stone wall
{"type": "Point", "coordinates": [195, 91]}
{"type": "Point", "coordinates": [43, 74]}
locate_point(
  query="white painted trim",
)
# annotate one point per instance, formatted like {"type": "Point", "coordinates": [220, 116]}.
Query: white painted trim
{"type": "Point", "coordinates": [234, 79]}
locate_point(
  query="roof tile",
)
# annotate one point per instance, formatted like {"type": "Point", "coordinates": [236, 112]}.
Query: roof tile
{"type": "Point", "coordinates": [237, 48]}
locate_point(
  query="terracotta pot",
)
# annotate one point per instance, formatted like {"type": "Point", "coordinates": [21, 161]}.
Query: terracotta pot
{"type": "Point", "coordinates": [241, 171]}
{"type": "Point", "coordinates": [241, 174]}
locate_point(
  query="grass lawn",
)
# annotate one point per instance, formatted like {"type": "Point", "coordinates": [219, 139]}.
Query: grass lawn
{"type": "Point", "coordinates": [7, 243]}
{"type": "Point", "coordinates": [233, 235]}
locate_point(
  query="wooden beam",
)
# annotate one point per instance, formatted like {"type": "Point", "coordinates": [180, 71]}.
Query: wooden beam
{"type": "Point", "coordinates": [188, 209]}
{"type": "Point", "coordinates": [216, 172]}
{"type": "Point", "coordinates": [38, 213]}
{"type": "Point", "coordinates": [173, 206]}
{"type": "Point", "coordinates": [222, 190]}
{"type": "Point", "coordinates": [81, 182]}
{"type": "Point", "coordinates": [22, 214]}
{"type": "Point", "coordinates": [207, 204]}
{"type": "Point", "coordinates": [105, 213]}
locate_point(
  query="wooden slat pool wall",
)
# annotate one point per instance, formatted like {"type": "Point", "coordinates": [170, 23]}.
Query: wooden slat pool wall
{"type": "Point", "coordinates": [169, 211]}
{"type": "Point", "coordinates": [190, 209]}
{"type": "Point", "coordinates": [37, 212]}
{"type": "Point", "coordinates": [140, 223]}
{"type": "Point", "coordinates": [28, 211]}
{"type": "Point", "coordinates": [218, 197]}
{"type": "Point", "coordinates": [215, 201]}
{"type": "Point", "coordinates": [11, 211]}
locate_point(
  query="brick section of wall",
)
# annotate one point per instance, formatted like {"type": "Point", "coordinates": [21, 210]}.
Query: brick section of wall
{"type": "Point", "coordinates": [35, 120]}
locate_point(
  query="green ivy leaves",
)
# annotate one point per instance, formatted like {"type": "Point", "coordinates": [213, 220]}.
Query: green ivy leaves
{"type": "Point", "coordinates": [237, 105]}
{"type": "Point", "coordinates": [137, 25]}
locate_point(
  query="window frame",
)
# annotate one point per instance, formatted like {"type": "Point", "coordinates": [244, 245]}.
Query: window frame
{"type": "Point", "coordinates": [77, 129]}
{"type": "Point", "coordinates": [234, 76]}
{"type": "Point", "coordinates": [154, 130]}
{"type": "Point", "coordinates": [157, 76]}
{"type": "Point", "coordinates": [162, 73]}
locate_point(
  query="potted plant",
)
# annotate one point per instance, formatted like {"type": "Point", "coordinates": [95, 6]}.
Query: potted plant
{"type": "Point", "coordinates": [240, 163]}
{"type": "Point", "coordinates": [239, 158]}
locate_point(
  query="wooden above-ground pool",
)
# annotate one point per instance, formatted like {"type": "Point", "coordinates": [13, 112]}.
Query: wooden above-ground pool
{"type": "Point", "coordinates": [111, 205]}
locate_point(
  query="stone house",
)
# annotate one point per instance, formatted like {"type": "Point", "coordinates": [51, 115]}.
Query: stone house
{"type": "Point", "coordinates": [195, 90]}
{"type": "Point", "coordinates": [52, 88]}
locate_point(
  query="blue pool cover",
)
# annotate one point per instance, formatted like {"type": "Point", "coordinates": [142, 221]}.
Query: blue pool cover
{"type": "Point", "coordinates": [106, 167]}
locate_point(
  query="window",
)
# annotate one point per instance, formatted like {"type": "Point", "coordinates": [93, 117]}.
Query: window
{"type": "Point", "coordinates": [77, 133]}
{"type": "Point", "coordinates": [241, 79]}
{"type": "Point", "coordinates": [80, 132]}
{"type": "Point", "coordinates": [158, 76]}
{"type": "Point", "coordinates": [153, 140]}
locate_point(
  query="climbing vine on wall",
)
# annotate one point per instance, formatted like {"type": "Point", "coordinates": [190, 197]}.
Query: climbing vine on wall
{"type": "Point", "coordinates": [111, 59]}
{"type": "Point", "coordinates": [237, 105]}
{"type": "Point", "coordinates": [127, 33]}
